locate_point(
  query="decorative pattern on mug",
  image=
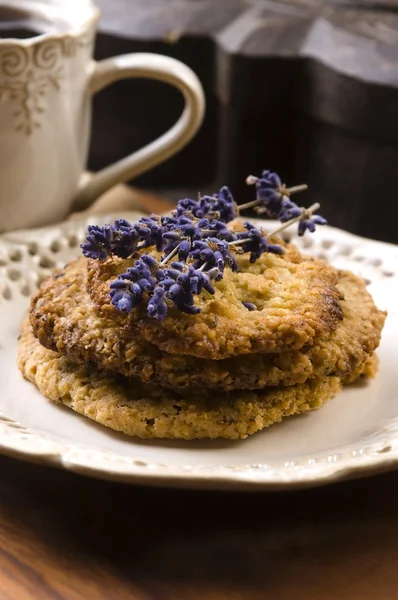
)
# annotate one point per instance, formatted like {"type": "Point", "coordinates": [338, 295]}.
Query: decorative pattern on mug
{"type": "Point", "coordinates": [27, 73]}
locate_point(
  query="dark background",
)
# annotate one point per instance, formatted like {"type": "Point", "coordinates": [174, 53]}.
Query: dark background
{"type": "Point", "coordinates": [306, 88]}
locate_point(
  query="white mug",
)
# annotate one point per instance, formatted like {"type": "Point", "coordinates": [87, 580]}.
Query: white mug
{"type": "Point", "coordinates": [46, 84]}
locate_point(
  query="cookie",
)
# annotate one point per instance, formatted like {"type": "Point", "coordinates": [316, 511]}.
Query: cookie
{"type": "Point", "coordinates": [295, 297]}
{"type": "Point", "coordinates": [149, 411]}
{"type": "Point", "coordinates": [65, 320]}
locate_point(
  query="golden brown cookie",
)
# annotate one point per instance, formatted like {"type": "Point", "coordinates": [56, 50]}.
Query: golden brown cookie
{"type": "Point", "coordinates": [295, 296]}
{"type": "Point", "coordinates": [149, 411]}
{"type": "Point", "coordinates": [65, 320]}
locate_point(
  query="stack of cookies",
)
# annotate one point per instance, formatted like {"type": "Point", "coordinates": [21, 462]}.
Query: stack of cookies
{"type": "Point", "coordinates": [278, 337]}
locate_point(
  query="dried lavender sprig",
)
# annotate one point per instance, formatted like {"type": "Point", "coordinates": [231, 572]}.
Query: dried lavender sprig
{"type": "Point", "coordinates": [120, 239]}
{"type": "Point", "coordinates": [220, 205]}
{"type": "Point", "coordinates": [255, 242]}
{"type": "Point", "coordinates": [215, 253]}
{"type": "Point", "coordinates": [283, 191]}
{"type": "Point", "coordinates": [306, 212]}
{"type": "Point", "coordinates": [197, 231]}
{"type": "Point", "coordinates": [198, 238]}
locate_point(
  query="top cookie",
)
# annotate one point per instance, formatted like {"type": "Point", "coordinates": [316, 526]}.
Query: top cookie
{"type": "Point", "coordinates": [64, 319]}
{"type": "Point", "coordinates": [295, 296]}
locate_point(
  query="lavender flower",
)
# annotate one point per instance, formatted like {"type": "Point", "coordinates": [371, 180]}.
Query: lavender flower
{"type": "Point", "coordinates": [220, 205]}
{"type": "Point", "coordinates": [214, 253]}
{"type": "Point", "coordinates": [310, 223]}
{"type": "Point", "coordinates": [98, 242]}
{"type": "Point", "coordinates": [157, 307]}
{"type": "Point", "coordinates": [256, 243]}
{"type": "Point", "coordinates": [185, 226]}
{"type": "Point", "coordinates": [123, 300]}
{"type": "Point", "coordinates": [150, 231]}
{"type": "Point", "coordinates": [224, 208]}
{"type": "Point", "coordinates": [304, 217]}
{"type": "Point", "coordinates": [179, 238]}
{"type": "Point", "coordinates": [120, 239]}
{"type": "Point", "coordinates": [127, 290]}
{"type": "Point", "coordinates": [269, 192]}
{"type": "Point", "coordinates": [272, 195]}
{"type": "Point", "coordinates": [181, 282]}
{"type": "Point", "coordinates": [215, 228]}
{"type": "Point", "coordinates": [289, 210]}
{"type": "Point", "coordinates": [186, 207]}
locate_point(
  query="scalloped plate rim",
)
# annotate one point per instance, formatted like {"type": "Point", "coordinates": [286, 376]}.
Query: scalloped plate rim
{"type": "Point", "coordinates": [378, 457]}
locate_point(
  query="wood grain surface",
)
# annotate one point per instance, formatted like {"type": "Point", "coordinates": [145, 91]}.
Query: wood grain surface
{"type": "Point", "coordinates": [64, 536]}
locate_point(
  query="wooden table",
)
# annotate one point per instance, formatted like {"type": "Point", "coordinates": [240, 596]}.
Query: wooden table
{"type": "Point", "coordinates": [66, 537]}
{"type": "Point", "coordinates": [63, 536]}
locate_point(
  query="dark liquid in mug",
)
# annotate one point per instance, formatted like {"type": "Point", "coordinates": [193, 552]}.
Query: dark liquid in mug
{"type": "Point", "coordinates": [19, 32]}
{"type": "Point", "coordinates": [21, 24]}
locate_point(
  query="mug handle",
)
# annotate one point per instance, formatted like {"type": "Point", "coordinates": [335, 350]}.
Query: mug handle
{"type": "Point", "coordinates": [149, 66]}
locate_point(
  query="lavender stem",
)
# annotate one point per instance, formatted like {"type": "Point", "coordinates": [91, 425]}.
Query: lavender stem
{"type": "Point", "coordinates": [248, 205]}
{"type": "Point", "coordinates": [305, 211]}
{"type": "Point", "coordinates": [297, 188]}
{"type": "Point", "coordinates": [169, 256]}
{"type": "Point", "coordinates": [292, 190]}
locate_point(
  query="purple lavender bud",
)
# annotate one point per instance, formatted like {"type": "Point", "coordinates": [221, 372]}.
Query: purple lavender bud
{"type": "Point", "coordinates": [318, 220]}
{"type": "Point", "coordinates": [204, 223]}
{"type": "Point", "coordinates": [167, 282]}
{"type": "Point", "coordinates": [123, 301]}
{"type": "Point", "coordinates": [145, 284]}
{"type": "Point", "coordinates": [179, 266]}
{"type": "Point", "coordinates": [149, 260]}
{"type": "Point", "coordinates": [175, 292]}
{"type": "Point", "coordinates": [150, 232]}
{"type": "Point", "coordinates": [219, 260]}
{"type": "Point", "coordinates": [273, 178]}
{"type": "Point", "coordinates": [157, 307]}
{"type": "Point", "coordinates": [118, 284]}
{"type": "Point", "coordinates": [196, 283]}
{"type": "Point", "coordinates": [207, 285]}
{"type": "Point", "coordinates": [257, 243]}
{"type": "Point", "coordinates": [186, 206]}
{"type": "Point", "coordinates": [184, 250]}
{"type": "Point", "coordinates": [249, 305]}
{"type": "Point", "coordinates": [135, 289]}
{"type": "Point", "coordinates": [290, 213]}
{"type": "Point", "coordinates": [172, 235]}
{"type": "Point", "coordinates": [207, 255]}
{"type": "Point", "coordinates": [123, 224]}
{"type": "Point", "coordinates": [215, 228]}
{"type": "Point", "coordinates": [226, 206]}
{"type": "Point", "coordinates": [275, 249]}
{"type": "Point", "coordinates": [310, 224]}
{"type": "Point", "coordinates": [169, 248]}
{"type": "Point", "coordinates": [168, 222]}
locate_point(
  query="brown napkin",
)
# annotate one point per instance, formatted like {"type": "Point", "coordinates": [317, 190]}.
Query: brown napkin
{"type": "Point", "coordinates": [124, 198]}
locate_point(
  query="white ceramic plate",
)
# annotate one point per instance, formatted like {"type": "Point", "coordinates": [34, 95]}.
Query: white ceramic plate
{"type": "Point", "coordinates": [355, 433]}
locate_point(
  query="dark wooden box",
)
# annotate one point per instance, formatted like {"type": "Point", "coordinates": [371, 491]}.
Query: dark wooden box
{"type": "Point", "coordinates": [308, 89]}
